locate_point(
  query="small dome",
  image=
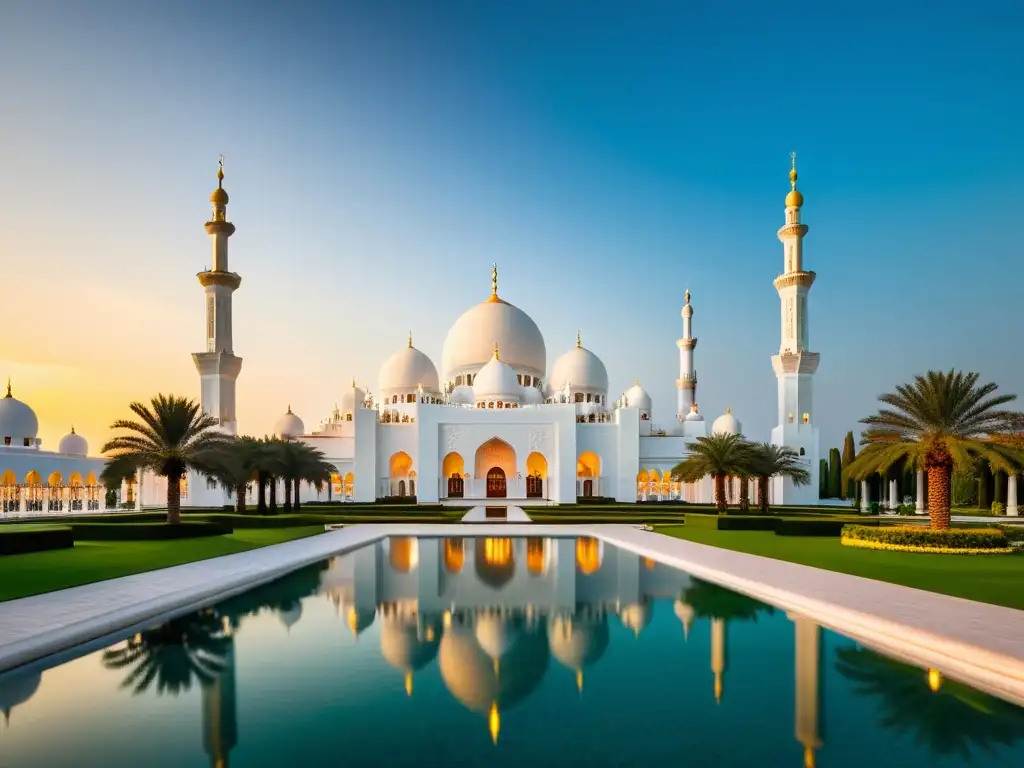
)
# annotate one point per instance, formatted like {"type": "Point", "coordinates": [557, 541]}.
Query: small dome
{"type": "Point", "coordinates": [687, 309]}
{"type": "Point", "coordinates": [531, 396]}
{"type": "Point", "coordinates": [578, 642]}
{"type": "Point", "coordinates": [73, 444]}
{"type": "Point", "coordinates": [407, 370]}
{"type": "Point", "coordinates": [17, 689]}
{"type": "Point", "coordinates": [727, 424]}
{"type": "Point", "coordinates": [637, 397]}
{"type": "Point", "coordinates": [351, 397]}
{"type": "Point", "coordinates": [497, 635]}
{"type": "Point", "coordinates": [636, 616]}
{"type": "Point", "coordinates": [289, 425]}
{"type": "Point", "coordinates": [219, 196]}
{"type": "Point", "coordinates": [462, 395]}
{"type": "Point", "coordinates": [581, 368]}
{"type": "Point", "coordinates": [694, 414]}
{"type": "Point", "coordinates": [496, 380]}
{"type": "Point", "coordinates": [794, 199]}
{"type": "Point", "coordinates": [17, 420]}
{"type": "Point", "coordinates": [404, 647]}
{"type": "Point", "coordinates": [290, 616]}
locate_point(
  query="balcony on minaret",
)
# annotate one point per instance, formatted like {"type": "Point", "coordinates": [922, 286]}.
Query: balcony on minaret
{"type": "Point", "coordinates": [687, 381]}
{"type": "Point", "coordinates": [686, 343]}
{"type": "Point", "coordinates": [799, 361]}
{"type": "Point", "coordinates": [217, 277]}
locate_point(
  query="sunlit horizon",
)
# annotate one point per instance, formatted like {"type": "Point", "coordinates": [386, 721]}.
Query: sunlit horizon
{"type": "Point", "coordinates": [380, 157]}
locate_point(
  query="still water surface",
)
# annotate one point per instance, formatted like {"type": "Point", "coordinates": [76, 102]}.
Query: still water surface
{"type": "Point", "coordinates": [493, 651]}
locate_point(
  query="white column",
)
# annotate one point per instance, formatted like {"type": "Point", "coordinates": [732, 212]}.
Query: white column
{"type": "Point", "coordinates": [1011, 495]}
{"type": "Point", "coordinates": [894, 502]}
{"type": "Point", "coordinates": [864, 501]}
{"type": "Point", "coordinates": [920, 492]}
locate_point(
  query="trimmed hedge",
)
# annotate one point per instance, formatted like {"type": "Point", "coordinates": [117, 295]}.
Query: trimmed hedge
{"type": "Point", "coordinates": [189, 529]}
{"type": "Point", "coordinates": [804, 526]}
{"type": "Point", "coordinates": [906, 538]}
{"type": "Point", "coordinates": [731, 522]}
{"type": "Point", "coordinates": [19, 541]}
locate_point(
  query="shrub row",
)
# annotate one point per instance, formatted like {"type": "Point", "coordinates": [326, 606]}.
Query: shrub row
{"type": "Point", "coordinates": [782, 526]}
{"type": "Point", "coordinates": [806, 526]}
{"type": "Point", "coordinates": [731, 522]}
{"type": "Point", "coordinates": [188, 529]}
{"type": "Point", "coordinates": [19, 541]}
{"type": "Point", "coordinates": [906, 538]}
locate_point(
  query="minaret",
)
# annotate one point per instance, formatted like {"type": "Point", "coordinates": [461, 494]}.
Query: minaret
{"type": "Point", "coordinates": [795, 364]}
{"type": "Point", "coordinates": [718, 656]}
{"type": "Point", "coordinates": [220, 711]}
{"type": "Point", "coordinates": [218, 367]}
{"type": "Point", "coordinates": [808, 683]}
{"type": "Point", "coordinates": [687, 381]}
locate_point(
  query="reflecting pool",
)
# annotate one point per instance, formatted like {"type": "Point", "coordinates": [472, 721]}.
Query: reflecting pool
{"type": "Point", "coordinates": [496, 651]}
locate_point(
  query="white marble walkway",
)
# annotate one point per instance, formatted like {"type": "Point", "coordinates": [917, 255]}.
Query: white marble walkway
{"type": "Point", "coordinates": [980, 644]}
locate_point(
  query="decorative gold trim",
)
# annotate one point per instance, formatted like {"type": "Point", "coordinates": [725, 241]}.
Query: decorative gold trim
{"type": "Point", "coordinates": [792, 230]}
{"type": "Point", "coordinates": [213, 277]}
{"type": "Point", "coordinates": [686, 383]}
{"type": "Point", "coordinates": [686, 343]}
{"type": "Point", "coordinates": [803, 279]}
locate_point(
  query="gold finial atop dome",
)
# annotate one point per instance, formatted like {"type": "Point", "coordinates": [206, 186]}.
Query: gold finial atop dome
{"type": "Point", "coordinates": [289, 411]}
{"type": "Point", "coordinates": [579, 343]}
{"type": "Point", "coordinates": [636, 383]}
{"type": "Point", "coordinates": [579, 681]}
{"type": "Point", "coordinates": [353, 382]}
{"type": "Point", "coordinates": [410, 339]}
{"type": "Point", "coordinates": [9, 387]}
{"type": "Point", "coordinates": [496, 356]}
{"type": "Point", "coordinates": [794, 199]}
{"type": "Point", "coordinates": [408, 684]}
{"type": "Point", "coordinates": [494, 284]}
{"type": "Point", "coordinates": [808, 757]}
{"type": "Point", "coordinates": [728, 409]}
{"type": "Point", "coordinates": [219, 196]}
{"type": "Point", "coordinates": [693, 408]}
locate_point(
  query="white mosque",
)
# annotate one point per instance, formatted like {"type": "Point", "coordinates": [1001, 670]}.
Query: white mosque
{"type": "Point", "coordinates": [496, 422]}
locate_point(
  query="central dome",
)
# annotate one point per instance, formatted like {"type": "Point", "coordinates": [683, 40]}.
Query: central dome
{"type": "Point", "coordinates": [471, 340]}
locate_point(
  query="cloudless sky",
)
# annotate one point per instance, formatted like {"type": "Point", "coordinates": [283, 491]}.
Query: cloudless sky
{"type": "Point", "coordinates": [381, 155]}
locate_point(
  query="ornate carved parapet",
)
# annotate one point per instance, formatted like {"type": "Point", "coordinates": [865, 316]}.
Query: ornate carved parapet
{"type": "Point", "coordinates": [787, 231]}
{"type": "Point", "coordinates": [804, 279]}
{"type": "Point", "coordinates": [214, 277]}
{"type": "Point", "coordinates": [686, 343]}
{"type": "Point", "coordinates": [220, 227]}
{"type": "Point", "coordinates": [796, 362]}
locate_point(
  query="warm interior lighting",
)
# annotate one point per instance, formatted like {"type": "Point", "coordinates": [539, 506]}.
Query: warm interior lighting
{"type": "Point", "coordinates": [934, 680]}
{"type": "Point", "coordinates": [497, 551]}
{"type": "Point", "coordinates": [588, 555]}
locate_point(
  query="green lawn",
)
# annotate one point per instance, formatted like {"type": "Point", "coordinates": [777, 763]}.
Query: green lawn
{"type": "Point", "coordinates": [37, 572]}
{"type": "Point", "coordinates": [995, 579]}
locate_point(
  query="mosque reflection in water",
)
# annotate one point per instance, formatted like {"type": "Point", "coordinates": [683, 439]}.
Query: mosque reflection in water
{"type": "Point", "coordinates": [492, 612]}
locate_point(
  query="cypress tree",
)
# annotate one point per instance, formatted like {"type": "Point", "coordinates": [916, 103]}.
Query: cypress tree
{"type": "Point", "coordinates": [835, 473]}
{"type": "Point", "coordinates": [849, 454]}
{"type": "Point", "coordinates": [822, 479]}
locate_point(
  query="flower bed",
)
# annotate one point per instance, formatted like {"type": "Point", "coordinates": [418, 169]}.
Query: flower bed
{"type": "Point", "coordinates": [907, 538]}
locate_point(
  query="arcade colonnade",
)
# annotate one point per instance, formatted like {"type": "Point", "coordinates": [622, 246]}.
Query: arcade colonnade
{"type": "Point", "coordinates": [33, 492]}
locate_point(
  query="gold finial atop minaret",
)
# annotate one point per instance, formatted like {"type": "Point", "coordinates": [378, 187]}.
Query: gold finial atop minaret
{"type": "Point", "coordinates": [794, 199]}
{"type": "Point", "coordinates": [219, 198]}
{"type": "Point", "coordinates": [496, 356]}
{"type": "Point", "coordinates": [687, 295]}
{"type": "Point", "coordinates": [494, 721]}
{"type": "Point", "coordinates": [578, 342]}
{"type": "Point", "coordinates": [410, 339]}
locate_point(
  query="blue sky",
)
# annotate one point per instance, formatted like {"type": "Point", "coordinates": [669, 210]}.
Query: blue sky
{"type": "Point", "coordinates": [381, 155]}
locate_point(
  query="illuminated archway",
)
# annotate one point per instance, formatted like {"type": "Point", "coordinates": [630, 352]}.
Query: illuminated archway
{"type": "Point", "coordinates": [350, 481]}
{"type": "Point", "coordinates": [536, 465]}
{"type": "Point", "coordinates": [495, 453]}
{"type": "Point", "coordinates": [400, 464]}
{"type": "Point", "coordinates": [403, 554]}
{"type": "Point", "coordinates": [453, 464]}
{"type": "Point", "coordinates": [454, 555]}
{"type": "Point", "coordinates": [495, 561]}
{"type": "Point", "coordinates": [33, 478]}
{"type": "Point", "coordinates": [536, 551]}
{"type": "Point", "coordinates": [588, 464]}
{"type": "Point", "coordinates": [55, 480]}
{"type": "Point", "coordinates": [588, 554]}
{"type": "Point", "coordinates": [8, 478]}
{"type": "Point", "coordinates": [91, 479]}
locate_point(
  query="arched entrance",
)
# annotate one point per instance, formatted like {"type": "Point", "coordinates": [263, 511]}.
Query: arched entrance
{"type": "Point", "coordinates": [452, 468]}
{"type": "Point", "coordinates": [536, 474]}
{"type": "Point", "coordinates": [588, 467]}
{"type": "Point", "coordinates": [496, 487]}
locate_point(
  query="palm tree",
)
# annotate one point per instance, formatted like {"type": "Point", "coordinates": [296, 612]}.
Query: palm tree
{"type": "Point", "coordinates": [174, 654]}
{"type": "Point", "coordinates": [768, 461]}
{"type": "Point", "coordinates": [948, 717]}
{"type": "Point", "coordinates": [302, 463]}
{"type": "Point", "coordinates": [720, 456]}
{"type": "Point", "coordinates": [171, 437]}
{"type": "Point", "coordinates": [235, 468]}
{"type": "Point", "coordinates": [940, 422]}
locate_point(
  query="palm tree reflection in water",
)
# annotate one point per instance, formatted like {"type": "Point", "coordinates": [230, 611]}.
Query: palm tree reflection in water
{"type": "Point", "coordinates": [948, 717]}
{"type": "Point", "coordinates": [174, 655]}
